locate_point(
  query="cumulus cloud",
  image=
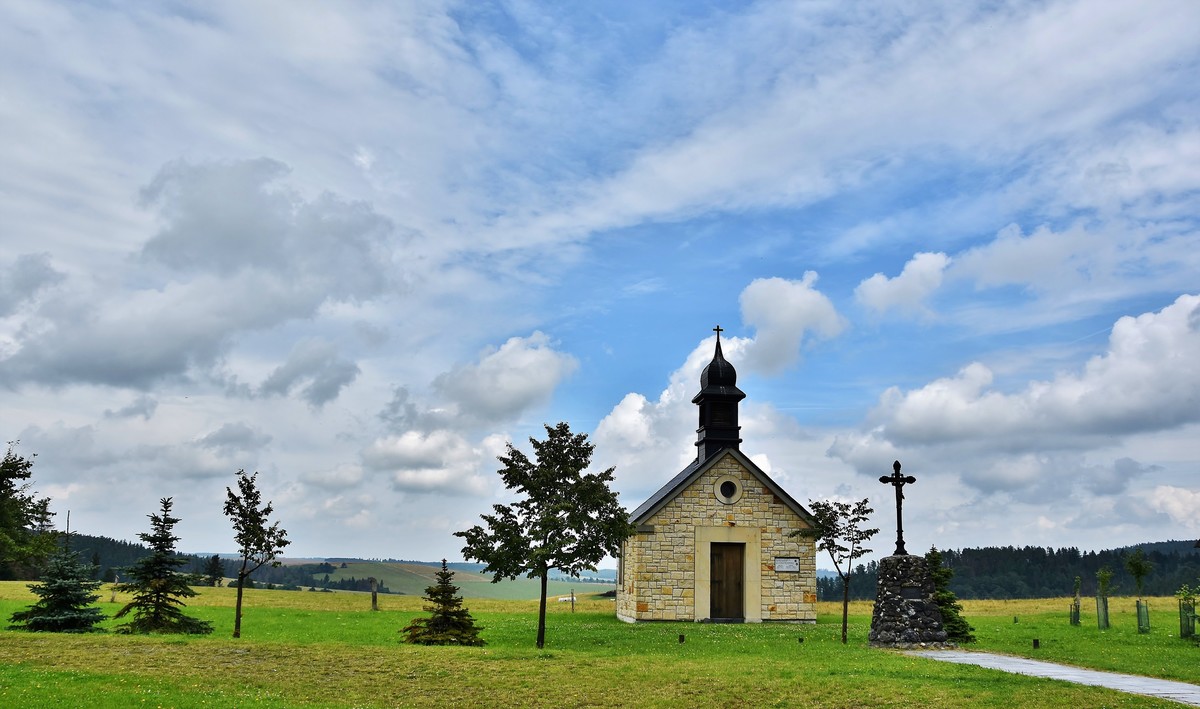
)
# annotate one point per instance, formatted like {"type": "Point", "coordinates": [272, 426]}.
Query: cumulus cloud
{"type": "Point", "coordinates": [505, 381]}
{"type": "Point", "coordinates": [650, 440]}
{"type": "Point", "coordinates": [784, 313]}
{"type": "Point", "coordinates": [907, 292]}
{"type": "Point", "coordinates": [224, 218]}
{"type": "Point", "coordinates": [1038, 476]}
{"type": "Point", "coordinates": [429, 445]}
{"type": "Point", "coordinates": [316, 364]}
{"type": "Point", "coordinates": [1030, 444]}
{"type": "Point", "coordinates": [236, 256]}
{"type": "Point", "coordinates": [1179, 503]}
{"type": "Point", "coordinates": [1149, 379]}
{"type": "Point", "coordinates": [440, 461]}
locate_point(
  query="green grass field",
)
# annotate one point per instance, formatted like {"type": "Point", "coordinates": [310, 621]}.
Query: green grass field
{"type": "Point", "coordinates": [302, 649]}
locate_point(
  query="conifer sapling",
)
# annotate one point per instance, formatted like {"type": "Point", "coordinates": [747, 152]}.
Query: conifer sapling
{"type": "Point", "coordinates": [66, 594]}
{"type": "Point", "coordinates": [450, 623]}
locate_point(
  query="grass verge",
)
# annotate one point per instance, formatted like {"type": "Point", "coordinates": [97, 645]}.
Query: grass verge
{"type": "Point", "coordinates": [318, 649]}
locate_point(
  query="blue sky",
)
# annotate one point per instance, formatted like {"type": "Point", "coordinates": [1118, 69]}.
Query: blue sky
{"type": "Point", "coordinates": [359, 246]}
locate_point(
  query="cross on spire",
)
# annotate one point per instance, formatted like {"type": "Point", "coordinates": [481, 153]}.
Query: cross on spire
{"type": "Point", "coordinates": [718, 329]}
{"type": "Point", "coordinates": [899, 481]}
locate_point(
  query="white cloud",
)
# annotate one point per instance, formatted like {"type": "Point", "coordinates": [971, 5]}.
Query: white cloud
{"type": "Point", "coordinates": [783, 313]}
{"type": "Point", "coordinates": [1052, 440]}
{"type": "Point", "coordinates": [1180, 503]}
{"type": "Point", "coordinates": [240, 257]}
{"type": "Point", "coordinates": [650, 440]}
{"type": "Point", "coordinates": [1044, 260]}
{"type": "Point", "coordinates": [1148, 380]}
{"type": "Point", "coordinates": [441, 461]}
{"type": "Point", "coordinates": [899, 92]}
{"type": "Point", "coordinates": [907, 292]}
{"type": "Point", "coordinates": [505, 381]}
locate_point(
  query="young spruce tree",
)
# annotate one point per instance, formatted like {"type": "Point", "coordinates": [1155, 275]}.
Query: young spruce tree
{"type": "Point", "coordinates": [450, 624]}
{"type": "Point", "coordinates": [156, 584]}
{"type": "Point", "coordinates": [66, 594]}
{"type": "Point", "coordinates": [214, 571]}
{"type": "Point", "coordinates": [957, 628]}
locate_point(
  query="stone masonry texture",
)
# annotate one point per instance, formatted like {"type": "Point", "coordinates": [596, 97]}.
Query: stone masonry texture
{"type": "Point", "coordinates": [658, 579]}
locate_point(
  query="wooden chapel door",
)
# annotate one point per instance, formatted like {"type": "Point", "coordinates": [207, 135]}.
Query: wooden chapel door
{"type": "Point", "coordinates": [726, 568]}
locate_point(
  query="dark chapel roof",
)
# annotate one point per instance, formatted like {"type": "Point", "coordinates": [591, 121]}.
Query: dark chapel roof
{"type": "Point", "coordinates": [719, 379]}
{"type": "Point", "coordinates": [697, 468]}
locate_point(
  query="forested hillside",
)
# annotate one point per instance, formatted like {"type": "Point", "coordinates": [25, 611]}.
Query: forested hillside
{"type": "Point", "coordinates": [1037, 572]}
{"type": "Point", "coordinates": [110, 556]}
{"type": "Point", "coordinates": [334, 574]}
{"type": "Point", "coordinates": [986, 573]}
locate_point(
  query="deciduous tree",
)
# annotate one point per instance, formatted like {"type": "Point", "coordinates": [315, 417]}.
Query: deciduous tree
{"type": "Point", "coordinates": [24, 518]}
{"type": "Point", "coordinates": [836, 530]}
{"type": "Point", "coordinates": [157, 585]}
{"type": "Point", "coordinates": [259, 541]}
{"type": "Point", "coordinates": [1139, 567]}
{"type": "Point", "coordinates": [565, 519]}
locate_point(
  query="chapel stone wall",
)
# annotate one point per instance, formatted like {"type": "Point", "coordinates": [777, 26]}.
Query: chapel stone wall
{"type": "Point", "coordinates": [660, 567]}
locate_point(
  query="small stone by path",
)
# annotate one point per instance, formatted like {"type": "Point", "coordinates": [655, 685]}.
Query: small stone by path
{"type": "Point", "coordinates": [1181, 692]}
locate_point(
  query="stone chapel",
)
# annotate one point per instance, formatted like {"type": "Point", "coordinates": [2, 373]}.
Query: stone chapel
{"type": "Point", "coordinates": [714, 543]}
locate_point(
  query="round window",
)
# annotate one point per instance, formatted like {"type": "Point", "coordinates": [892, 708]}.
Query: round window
{"type": "Point", "coordinates": [727, 489]}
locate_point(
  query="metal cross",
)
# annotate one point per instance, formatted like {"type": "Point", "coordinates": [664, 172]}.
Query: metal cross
{"type": "Point", "coordinates": [899, 481]}
{"type": "Point", "coordinates": [718, 329]}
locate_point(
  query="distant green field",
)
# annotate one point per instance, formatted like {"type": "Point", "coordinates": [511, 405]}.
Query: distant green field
{"type": "Point", "coordinates": [413, 579]}
{"type": "Point", "coordinates": [304, 649]}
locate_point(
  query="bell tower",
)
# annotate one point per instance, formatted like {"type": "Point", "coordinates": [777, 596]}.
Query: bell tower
{"type": "Point", "coordinates": [718, 401]}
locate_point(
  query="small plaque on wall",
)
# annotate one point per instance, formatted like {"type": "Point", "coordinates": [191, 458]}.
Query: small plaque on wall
{"type": "Point", "coordinates": [787, 563]}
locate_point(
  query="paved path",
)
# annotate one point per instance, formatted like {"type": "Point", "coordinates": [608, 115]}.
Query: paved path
{"type": "Point", "coordinates": [1164, 689]}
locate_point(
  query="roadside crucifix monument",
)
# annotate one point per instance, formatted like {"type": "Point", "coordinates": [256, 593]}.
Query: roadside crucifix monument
{"type": "Point", "coordinates": [905, 613]}
{"type": "Point", "coordinates": [899, 481]}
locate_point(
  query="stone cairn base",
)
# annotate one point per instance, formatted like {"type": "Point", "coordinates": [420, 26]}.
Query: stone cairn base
{"type": "Point", "coordinates": [905, 614]}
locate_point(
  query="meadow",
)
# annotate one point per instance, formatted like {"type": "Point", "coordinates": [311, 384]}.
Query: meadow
{"type": "Point", "coordinates": [304, 649]}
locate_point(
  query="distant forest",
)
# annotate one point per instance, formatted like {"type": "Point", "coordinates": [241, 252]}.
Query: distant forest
{"type": "Point", "coordinates": [987, 573]}
{"type": "Point", "coordinates": [1036, 572]}
{"type": "Point", "coordinates": [111, 556]}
